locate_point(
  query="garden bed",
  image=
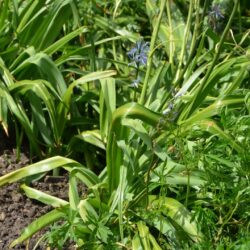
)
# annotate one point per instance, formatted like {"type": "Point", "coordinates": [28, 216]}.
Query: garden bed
{"type": "Point", "coordinates": [16, 210]}
{"type": "Point", "coordinates": [143, 104]}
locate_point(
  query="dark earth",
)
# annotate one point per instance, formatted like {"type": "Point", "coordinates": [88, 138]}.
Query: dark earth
{"type": "Point", "coordinates": [16, 210]}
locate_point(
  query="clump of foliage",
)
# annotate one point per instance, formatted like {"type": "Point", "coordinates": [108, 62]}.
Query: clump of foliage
{"type": "Point", "coordinates": [165, 159]}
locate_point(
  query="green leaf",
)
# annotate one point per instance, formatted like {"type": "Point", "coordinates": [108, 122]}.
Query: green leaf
{"type": "Point", "coordinates": [119, 198]}
{"type": "Point", "coordinates": [138, 128]}
{"type": "Point", "coordinates": [205, 88]}
{"type": "Point", "coordinates": [43, 197]}
{"type": "Point", "coordinates": [73, 190]}
{"type": "Point", "coordinates": [7, 76]}
{"type": "Point", "coordinates": [88, 177]}
{"type": "Point", "coordinates": [107, 104]}
{"type": "Point", "coordinates": [39, 92]}
{"type": "Point", "coordinates": [177, 212]}
{"type": "Point", "coordinates": [136, 243]}
{"type": "Point", "coordinates": [4, 12]}
{"type": "Point", "coordinates": [29, 12]}
{"type": "Point", "coordinates": [93, 137]}
{"type": "Point", "coordinates": [64, 107]}
{"type": "Point", "coordinates": [177, 174]}
{"type": "Point", "coordinates": [21, 116]}
{"type": "Point", "coordinates": [4, 114]}
{"type": "Point", "coordinates": [118, 131]}
{"type": "Point", "coordinates": [144, 235]}
{"type": "Point", "coordinates": [154, 243]}
{"type": "Point", "coordinates": [108, 25]}
{"type": "Point", "coordinates": [171, 29]}
{"type": "Point", "coordinates": [213, 109]}
{"type": "Point", "coordinates": [38, 224]}
{"type": "Point", "coordinates": [47, 69]}
{"type": "Point", "coordinates": [45, 24]}
{"type": "Point", "coordinates": [65, 39]}
{"type": "Point", "coordinates": [47, 165]}
{"type": "Point", "coordinates": [213, 128]}
{"type": "Point", "coordinates": [87, 212]}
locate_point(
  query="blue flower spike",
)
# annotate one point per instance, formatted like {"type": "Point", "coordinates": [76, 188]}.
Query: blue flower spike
{"type": "Point", "coordinates": [215, 17]}
{"type": "Point", "coordinates": [135, 83]}
{"type": "Point", "coordinates": [216, 12]}
{"type": "Point", "coordinates": [139, 53]}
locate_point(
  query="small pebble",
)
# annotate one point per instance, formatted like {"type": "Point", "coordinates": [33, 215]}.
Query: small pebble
{"type": "Point", "coordinates": [16, 197]}
{"type": "Point", "coordinates": [2, 216]}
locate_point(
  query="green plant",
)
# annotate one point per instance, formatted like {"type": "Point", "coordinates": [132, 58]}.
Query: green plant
{"type": "Point", "coordinates": [161, 161]}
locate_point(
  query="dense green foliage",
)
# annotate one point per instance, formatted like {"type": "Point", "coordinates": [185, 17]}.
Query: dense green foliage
{"type": "Point", "coordinates": [145, 102]}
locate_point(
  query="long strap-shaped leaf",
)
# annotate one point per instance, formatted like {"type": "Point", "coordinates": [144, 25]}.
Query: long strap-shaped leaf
{"type": "Point", "coordinates": [47, 69]}
{"type": "Point", "coordinates": [147, 240]}
{"type": "Point", "coordinates": [20, 114]}
{"type": "Point", "coordinates": [63, 107]}
{"type": "Point", "coordinates": [49, 164]}
{"type": "Point", "coordinates": [211, 127]}
{"type": "Point", "coordinates": [204, 87]}
{"type": "Point", "coordinates": [43, 197]}
{"type": "Point", "coordinates": [118, 132]}
{"type": "Point", "coordinates": [38, 224]}
{"type": "Point", "coordinates": [178, 213]}
{"type": "Point", "coordinates": [61, 42]}
{"type": "Point", "coordinates": [42, 90]}
{"type": "Point", "coordinates": [214, 109]}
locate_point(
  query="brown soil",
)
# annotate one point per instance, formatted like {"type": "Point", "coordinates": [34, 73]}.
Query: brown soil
{"type": "Point", "coordinates": [16, 210]}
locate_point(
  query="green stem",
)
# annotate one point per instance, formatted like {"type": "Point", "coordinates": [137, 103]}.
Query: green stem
{"type": "Point", "coordinates": [92, 52]}
{"type": "Point", "coordinates": [194, 44]}
{"type": "Point", "coordinates": [243, 39]}
{"type": "Point", "coordinates": [150, 57]}
{"type": "Point", "coordinates": [151, 167]}
{"type": "Point", "coordinates": [230, 214]}
{"type": "Point", "coordinates": [186, 36]}
{"type": "Point", "coordinates": [137, 74]}
{"type": "Point", "coordinates": [239, 19]}
{"type": "Point", "coordinates": [218, 48]}
{"type": "Point", "coordinates": [188, 188]}
{"type": "Point", "coordinates": [4, 12]}
{"type": "Point", "coordinates": [18, 142]}
{"type": "Point", "coordinates": [171, 37]}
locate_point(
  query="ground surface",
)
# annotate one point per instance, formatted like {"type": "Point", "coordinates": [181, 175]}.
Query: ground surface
{"type": "Point", "coordinates": [16, 210]}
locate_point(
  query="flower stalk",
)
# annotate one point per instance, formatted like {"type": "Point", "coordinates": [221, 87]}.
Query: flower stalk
{"type": "Point", "coordinates": [218, 48]}
{"type": "Point", "coordinates": [151, 50]}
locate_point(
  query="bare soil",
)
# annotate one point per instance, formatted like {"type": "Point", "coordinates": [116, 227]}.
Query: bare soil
{"type": "Point", "coordinates": [16, 210]}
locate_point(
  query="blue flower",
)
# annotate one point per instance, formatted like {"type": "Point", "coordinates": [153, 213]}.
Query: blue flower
{"type": "Point", "coordinates": [215, 12]}
{"type": "Point", "coordinates": [169, 109]}
{"type": "Point", "coordinates": [135, 83]}
{"type": "Point", "coordinates": [170, 112]}
{"type": "Point", "coordinates": [138, 54]}
{"type": "Point", "coordinates": [214, 17]}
